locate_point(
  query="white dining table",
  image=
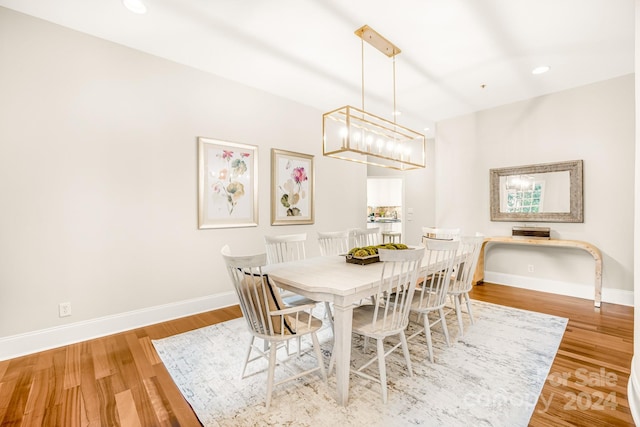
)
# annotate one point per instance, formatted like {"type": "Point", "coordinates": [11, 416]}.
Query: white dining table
{"type": "Point", "coordinates": [343, 284]}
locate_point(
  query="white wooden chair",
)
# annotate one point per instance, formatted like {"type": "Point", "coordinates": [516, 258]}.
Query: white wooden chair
{"type": "Point", "coordinates": [366, 236]}
{"type": "Point", "coordinates": [462, 280]}
{"type": "Point", "coordinates": [435, 233]}
{"type": "Point", "coordinates": [268, 318]}
{"type": "Point", "coordinates": [287, 247]}
{"type": "Point", "coordinates": [333, 242]}
{"type": "Point", "coordinates": [390, 316]}
{"type": "Point", "coordinates": [291, 247]}
{"type": "Point", "coordinates": [431, 292]}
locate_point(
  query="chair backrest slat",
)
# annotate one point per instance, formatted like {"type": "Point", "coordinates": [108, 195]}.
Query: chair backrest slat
{"type": "Point", "coordinates": [366, 236]}
{"type": "Point", "coordinates": [440, 256]}
{"type": "Point", "coordinates": [256, 296]}
{"type": "Point", "coordinates": [395, 291]}
{"type": "Point", "coordinates": [283, 248]}
{"type": "Point", "coordinates": [434, 233]}
{"type": "Point", "coordinates": [333, 242]}
{"type": "Point", "coordinates": [469, 246]}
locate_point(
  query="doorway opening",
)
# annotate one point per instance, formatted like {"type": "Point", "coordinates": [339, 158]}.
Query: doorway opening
{"type": "Point", "coordinates": [385, 196]}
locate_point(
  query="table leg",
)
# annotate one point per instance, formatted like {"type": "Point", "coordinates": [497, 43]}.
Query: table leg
{"type": "Point", "coordinates": [342, 323]}
{"type": "Point", "coordinates": [598, 285]}
{"type": "Point", "coordinates": [478, 275]}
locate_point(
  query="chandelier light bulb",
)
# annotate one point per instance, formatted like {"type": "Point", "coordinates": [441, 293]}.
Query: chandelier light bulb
{"type": "Point", "coordinates": [390, 145]}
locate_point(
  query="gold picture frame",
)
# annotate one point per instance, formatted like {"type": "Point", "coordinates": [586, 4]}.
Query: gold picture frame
{"type": "Point", "coordinates": [227, 184]}
{"type": "Point", "coordinates": [292, 187]}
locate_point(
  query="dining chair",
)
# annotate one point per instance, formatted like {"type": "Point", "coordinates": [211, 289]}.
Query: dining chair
{"type": "Point", "coordinates": [366, 236]}
{"type": "Point", "coordinates": [389, 316]}
{"type": "Point", "coordinates": [436, 233]}
{"type": "Point", "coordinates": [462, 280]}
{"type": "Point", "coordinates": [291, 247]}
{"type": "Point", "coordinates": [285, 247]}
{"type": "Point", "coordinates": [431, 291]}
{"type": "Point", "coordinates": [269, 319]}
{"type": "Point", "coordinates": [333, 242]}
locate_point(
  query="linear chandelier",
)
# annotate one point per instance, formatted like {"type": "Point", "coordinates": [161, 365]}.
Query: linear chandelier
{"type": "Point", "coordinates": [350, 133]}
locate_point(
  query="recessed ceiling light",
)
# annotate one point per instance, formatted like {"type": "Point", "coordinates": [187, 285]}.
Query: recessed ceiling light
{"type": "Point", "coordinates": [541, 69]}
{"type": "Point", "coordinates": [397, 113]}
{"type": "Point", "coordinates": [135, 6]}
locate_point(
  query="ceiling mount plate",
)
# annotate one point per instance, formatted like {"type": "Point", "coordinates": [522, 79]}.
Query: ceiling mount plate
{"type": "Point", "coordinates": [374, 38]}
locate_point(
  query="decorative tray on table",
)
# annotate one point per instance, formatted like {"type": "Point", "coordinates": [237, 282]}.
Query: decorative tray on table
{"type": "Point", "coordinates": [369, 254]}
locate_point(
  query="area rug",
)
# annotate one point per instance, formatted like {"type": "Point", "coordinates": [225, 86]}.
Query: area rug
{"type": "Point", "coordinates": [490, 377]}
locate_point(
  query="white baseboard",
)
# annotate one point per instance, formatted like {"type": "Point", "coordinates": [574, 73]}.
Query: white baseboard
{"type": "Point", "coordinates": [45, 339]}
{"type": "Point", "coordinates": [614, 296]}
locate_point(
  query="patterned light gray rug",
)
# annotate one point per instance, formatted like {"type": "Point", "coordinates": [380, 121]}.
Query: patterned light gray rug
{"type": "Point", "coordinates": [490, 377]}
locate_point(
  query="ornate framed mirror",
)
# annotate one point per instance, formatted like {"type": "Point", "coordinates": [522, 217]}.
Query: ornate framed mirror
{"type": "Point", "coordinates": [547, 192]}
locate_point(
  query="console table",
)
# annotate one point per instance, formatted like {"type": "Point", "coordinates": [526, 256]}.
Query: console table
{"type": "Point", "coordinates": [478, 277]}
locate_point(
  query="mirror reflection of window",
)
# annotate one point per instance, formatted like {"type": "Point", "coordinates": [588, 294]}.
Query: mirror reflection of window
{"type": "Point", "coordinates": [535, 193]}
{"type": "Point", "coordinates": [526, 196]}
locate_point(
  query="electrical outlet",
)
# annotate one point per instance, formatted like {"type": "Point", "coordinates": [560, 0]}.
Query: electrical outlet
{"type": "Point", "coordinates": [530, 268]}
{"type": "Point", "coordinates": [64, 309]}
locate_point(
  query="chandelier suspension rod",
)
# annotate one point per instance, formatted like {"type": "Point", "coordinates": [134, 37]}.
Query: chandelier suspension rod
{"type": "Point", "coordinates": [362, 66]}
{"type": "Point", "coordinates": [395, 111]}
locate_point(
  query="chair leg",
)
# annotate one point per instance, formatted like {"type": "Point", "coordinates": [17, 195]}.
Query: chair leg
{"type": "Point", "coordinates": [272, 367]}
{"type": "Point", "coordinates": [459, 315]}
{"type": "Point", "coordinates": [332, 361]}
{"type": "Point", "coordinates": [405, 350]}
{"type": "Point", "coordinates": [443, 322]}
{"type": "Point", "coordinates": [427, 333]}
{"type": "Point", "coordinates": [328, 313]}
{"type": "Point", "coordinates": [466, 297]}
{"type": "Point", "coordinates": [316, 347]}
{"type": "Point", "coordinates": [246, 359]}
{"type": "Point", "coordinates": [383, 370]}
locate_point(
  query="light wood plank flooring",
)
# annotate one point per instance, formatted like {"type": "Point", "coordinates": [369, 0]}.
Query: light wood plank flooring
{"type": "Point", "coordinates": [119, 380]}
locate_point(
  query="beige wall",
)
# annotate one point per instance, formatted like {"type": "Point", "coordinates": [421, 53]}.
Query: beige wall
{"type": "Point", "coordinates": [595, 123]}
{"type": "Point", "coordinates": [98, 176]}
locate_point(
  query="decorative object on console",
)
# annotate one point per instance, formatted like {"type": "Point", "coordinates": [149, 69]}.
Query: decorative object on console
{"type": "Point", "coordinates": [531, 232]}
{"type": "Point", "coordinates": [349, 133]}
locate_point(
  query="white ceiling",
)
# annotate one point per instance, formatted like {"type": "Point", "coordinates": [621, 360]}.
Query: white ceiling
{"type": "Point", "coordinates": [306, 50]}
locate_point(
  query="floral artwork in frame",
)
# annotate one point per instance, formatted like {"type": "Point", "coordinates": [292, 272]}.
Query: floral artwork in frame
{"type": "Point", "coordinates": [292, 183]}
{"type": "Point", "coordinates": [227, 184]}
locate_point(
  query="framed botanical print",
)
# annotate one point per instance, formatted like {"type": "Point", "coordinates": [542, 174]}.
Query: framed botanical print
{"type": "Point", "coordinates": [227, 184]}
{"type": "Point", "coordinates": [292, 183]}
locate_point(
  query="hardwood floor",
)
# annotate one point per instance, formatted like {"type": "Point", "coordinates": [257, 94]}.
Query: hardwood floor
{"type": "Point", "coordinates": [587, 383]}
{"type": "Point", "coordinates": [119, 380]}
